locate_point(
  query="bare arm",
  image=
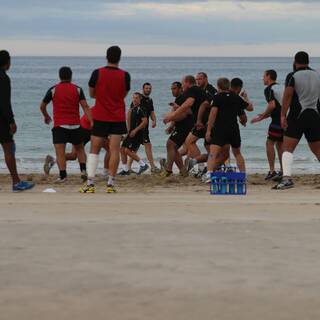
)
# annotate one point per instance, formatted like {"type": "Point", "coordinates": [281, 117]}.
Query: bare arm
{"type": "Point", "coordinates": [141, 126]}
{"type": "Point", "coordinates": [245, 97]}
{"type": "Point", "coordinates": [211, 121]}
{"type": "Point", "coordinates": [205, 105]}
{"type": "Point", "coordinates": [43, 109]}
{"type": "Point", "coordinates": [286, 102]}
{"type": "Point", "coordinates": [154, 119]}
{"type": "Point", "coordinates": [266, 114]}
{"type": "Point", "coordinates": [180, 112]}
{"type": "Point", "coordinates": [92, 92]}
{"type": "Point", "coordinates": [128, 119]}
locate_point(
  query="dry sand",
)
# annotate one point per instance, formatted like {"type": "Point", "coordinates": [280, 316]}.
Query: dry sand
{"type": "Point", "coordinates": [160, 249]}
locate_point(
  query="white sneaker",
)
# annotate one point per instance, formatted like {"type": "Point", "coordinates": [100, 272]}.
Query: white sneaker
{"type": "Point", "coordinates": [60, 181]}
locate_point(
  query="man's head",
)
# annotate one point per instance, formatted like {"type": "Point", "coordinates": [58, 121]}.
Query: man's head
{"type": "Point", "coordinates": [223, 84]}
{"type": "Point", "coordinates": [136, 99]}
{"type": "Point", "coordinates": [114, 55]}
{"type": "Point", "coordinates": [188, 82]}
{"type": "Point", "coordinates": [147, 89]}
{"type": "Point", "coordinates": [202, 80]}
{"type": "Point", "coordinates": [65, 74]}
{"type": "Point", "coordinates": [301, 59]}
{"type": "Point", "coordinates": [176, 89]}
{"type": "Point", "coordinates": [5, 60]}
{"type": "Point", "coordinates": [236, 85]}
{"type": "Point", "coordinates": [269, 77]}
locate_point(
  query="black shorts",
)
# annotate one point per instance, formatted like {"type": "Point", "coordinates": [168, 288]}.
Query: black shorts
{"type": "Point", "coordinates": [133, 144]}
{"type": "Point", "coordinates": [307, 124]}
{"type": "Point", "coordinates": [224, 136]}
{"type": "Point", "coordinates": [275, 132]}
{"type": "Point", "coordinates": [104, 129]}
{"type": "Point", "coordinates": [86, 136]}
{"type": "Point", "coordinates": [181, 132]}
{"type": "Point", "coordinates": [200, 134]}
{"type": "Point", "coordinates": [146, 137]}
{"type": "Point", "coordinates": [62, 136]}
{"type": "Point", "coordinates": [5, 135]}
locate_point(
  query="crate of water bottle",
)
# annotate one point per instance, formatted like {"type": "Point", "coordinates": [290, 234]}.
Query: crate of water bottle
{"type": "Point", "coordinates": [227, 181]}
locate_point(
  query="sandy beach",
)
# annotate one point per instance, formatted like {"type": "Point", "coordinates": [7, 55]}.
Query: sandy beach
{"type": "Point", "coordinates": [160, 249]}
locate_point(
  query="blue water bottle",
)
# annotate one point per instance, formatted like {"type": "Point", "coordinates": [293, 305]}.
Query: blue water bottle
{"type": "Point", "coordinates": [232, 187]}
{"type": "Point", "coordinates": [214, 185]}
{"type": "Point", "coordinates": [239, 186]}
{"type": "Point", "coordinates": [224, 181]}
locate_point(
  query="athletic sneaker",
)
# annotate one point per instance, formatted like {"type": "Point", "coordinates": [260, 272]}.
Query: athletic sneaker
{"type": "Point", "coordinates": [84, 176]}
{"type": "Point", "coordinates": [166, 174]}
{"type": "Point", "coordinates": [278, 177]}
{"type": "Point", "coordinates": [48, 164]}
{"type": "Point", "coordinates": [155, 170]}
{"type": "Point", "coordinates": [87, 189]}
{"type": "Point", "coordinates": [124, 173]}
{"type": "Point", "coordinates": [286, 183]}
{"type": "Point", "coordinates": [22, 186]}
{"type": "Point", "coordinates": [184, 173]}
{"type": "Point", "coordinates": [206, 178]}
{"type": "Point", "coordinates": [142, 169]}
{"type": "Point", "coordinates": [271, 175]}
{"type": "Point", "coordinates": [60, 181]}
{"type": "Point", "coordinates": [111, 189]}
{"type": "Point", "coordinates": [163, 162]}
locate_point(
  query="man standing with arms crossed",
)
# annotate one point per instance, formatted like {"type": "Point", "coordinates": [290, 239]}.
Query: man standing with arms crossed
{"type": "Point", "coordinates": [302, 95]}
{"type": "Point", "coordinates": [7, 124]}
{"type": "Point", "coordinates": [109, 86]}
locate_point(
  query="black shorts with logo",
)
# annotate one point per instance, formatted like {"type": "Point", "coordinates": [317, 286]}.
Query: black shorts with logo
{"type": "Point", "coordinates": [104, 129]}
{"type": "Point", "coordinates": [224, 136]}
{"type": "Point", "coordinates": [132, 144]}
{"type": "Point", "coordinates": [62, 136]}
{"type": "Point", "coordinates": [5, 135]}
{"type": "Point", "coordinates": [307, 124]}
{"type": "Point", "coordinates": [181, 131]}
{"type": "Point", "coordinates": [200, 134]}
{"type": "Point", "coordinates": [146, 135]}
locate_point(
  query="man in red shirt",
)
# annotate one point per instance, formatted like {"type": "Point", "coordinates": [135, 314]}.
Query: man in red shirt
{"type": "Point", "coordinates": [66, 97]}
{"type": "Point", "coordinates": [109, 86]}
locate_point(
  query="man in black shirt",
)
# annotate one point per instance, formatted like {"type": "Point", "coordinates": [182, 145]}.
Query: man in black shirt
{"type": "Point", "coordinates": [223, 128]}
{"type": "Point", "coordinates": [273, 94]}
{"type": "Point", "coordinates": [136, 123]}
{"type": "Point", "coordinates": [7, 124]}
{"type": "Point", "coordinates": [179, 130]}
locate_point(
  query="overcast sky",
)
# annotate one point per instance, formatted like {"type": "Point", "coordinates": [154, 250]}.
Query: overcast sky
{"type": "Point", "coordinates": [160, 28]}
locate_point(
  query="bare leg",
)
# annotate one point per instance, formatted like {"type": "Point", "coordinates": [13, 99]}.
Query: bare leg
{"type": "Point", "coordinates": [71, 156]}
{"type": "Point", "coordinates": [133, 155]}
{"type": "Point", "coordinates": [191, 143]}
{"type": "Point", "coordinates": [81, 154]}
{"type": "Point", "coordinates": [239, 158]}
{"type": "Point", "coordinates": [315, 148]}
{"type": "Point", "coordinates": [271, 155]}
{"type": "Point", "coordinates": [115, 141]}
{"type": "Point", "coordinates": [213, 157]}
{"type": "Point", "coordinates": [171, 154]}
{"type": "Point", "coordinates": [279, 147]}
{"type": "Point", "coordinates": [149, 154]}
{"type": "Point", "coordinates": [61, 156]}
{"type": "Point", "coordinates": [8, 149]}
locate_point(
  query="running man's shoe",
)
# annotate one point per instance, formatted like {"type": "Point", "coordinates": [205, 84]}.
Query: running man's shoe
{"type": "Point", "coordinates": [84, 176]}
{"type": "Point", "coordinates": [184, 173]}
{"type": "Point", "coordinates": [163, 163]}
{"type": "Point", "coordinates": [87, 189]}
{"type": "Point", "coordinates": [286, 183]}
{"type": "Point", "coordinates": [124, 173]}
{"type": "Point", "coordinates": [270, 176]}
{"type": "Point", "coordinates": [166, 174]}
{"type": "Point", "coordinates": [278, 177]}
{"type": "Point", "coordinates": [142, 169]}
{"type": "Point", "coordinates": [60, 181]}
{"type": "Point", "coordinates": [155, 170]}
{"type": "Point", "coordinates": [206, 178]}
{"type": "Point", "coordinates": [22, 186]}
{"type": "Point", "coordinates": [48, 164]}
{"type": "Point", "coordinates": [111, 189]}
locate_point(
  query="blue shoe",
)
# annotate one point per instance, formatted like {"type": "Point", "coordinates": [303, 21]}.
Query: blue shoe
{"type": "Point", "coordinates": [22, 186]}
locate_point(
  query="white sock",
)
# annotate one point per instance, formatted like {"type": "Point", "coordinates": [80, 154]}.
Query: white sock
{"type": "Point", "coordinates": [110, 181]}
{"type": "Point", "coordinates": [201, 166]}
{"type": "Point", "coordinates": [142, 163]}
{"type": "Point", "coordinates": [92, 164]}
{"type": "Point", "coordinates": [125, 167]}
{"type": "Point", "coordinates": [287, 160]}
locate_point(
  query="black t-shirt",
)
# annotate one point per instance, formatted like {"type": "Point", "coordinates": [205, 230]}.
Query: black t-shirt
{"type": "Point", "coordinates": [188, 119]}
{"type": "Point", "coordinates": [6, 114]}
{"type": "Point", "coordinates": [270, 96]}
{"type": "Point", "coordinates": [147, 105]}
{"type": "Point", "coordinates": [210, 92]}
{"type": "Point", "coordinates": [199, 96]}
{"type": "Point", "coordinates": [229, 106]}
{"type": "Point", "coordinates": [95, 75]}
{"type": "Point", "coordinates": [137, 114]}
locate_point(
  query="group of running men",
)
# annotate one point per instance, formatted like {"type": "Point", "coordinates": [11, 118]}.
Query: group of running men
{"type": "Point", "coordinates": [199, 111]}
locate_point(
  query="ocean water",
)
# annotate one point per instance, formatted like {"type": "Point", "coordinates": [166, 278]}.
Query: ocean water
{"type": "Point", "coordinates": [32, 76]}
